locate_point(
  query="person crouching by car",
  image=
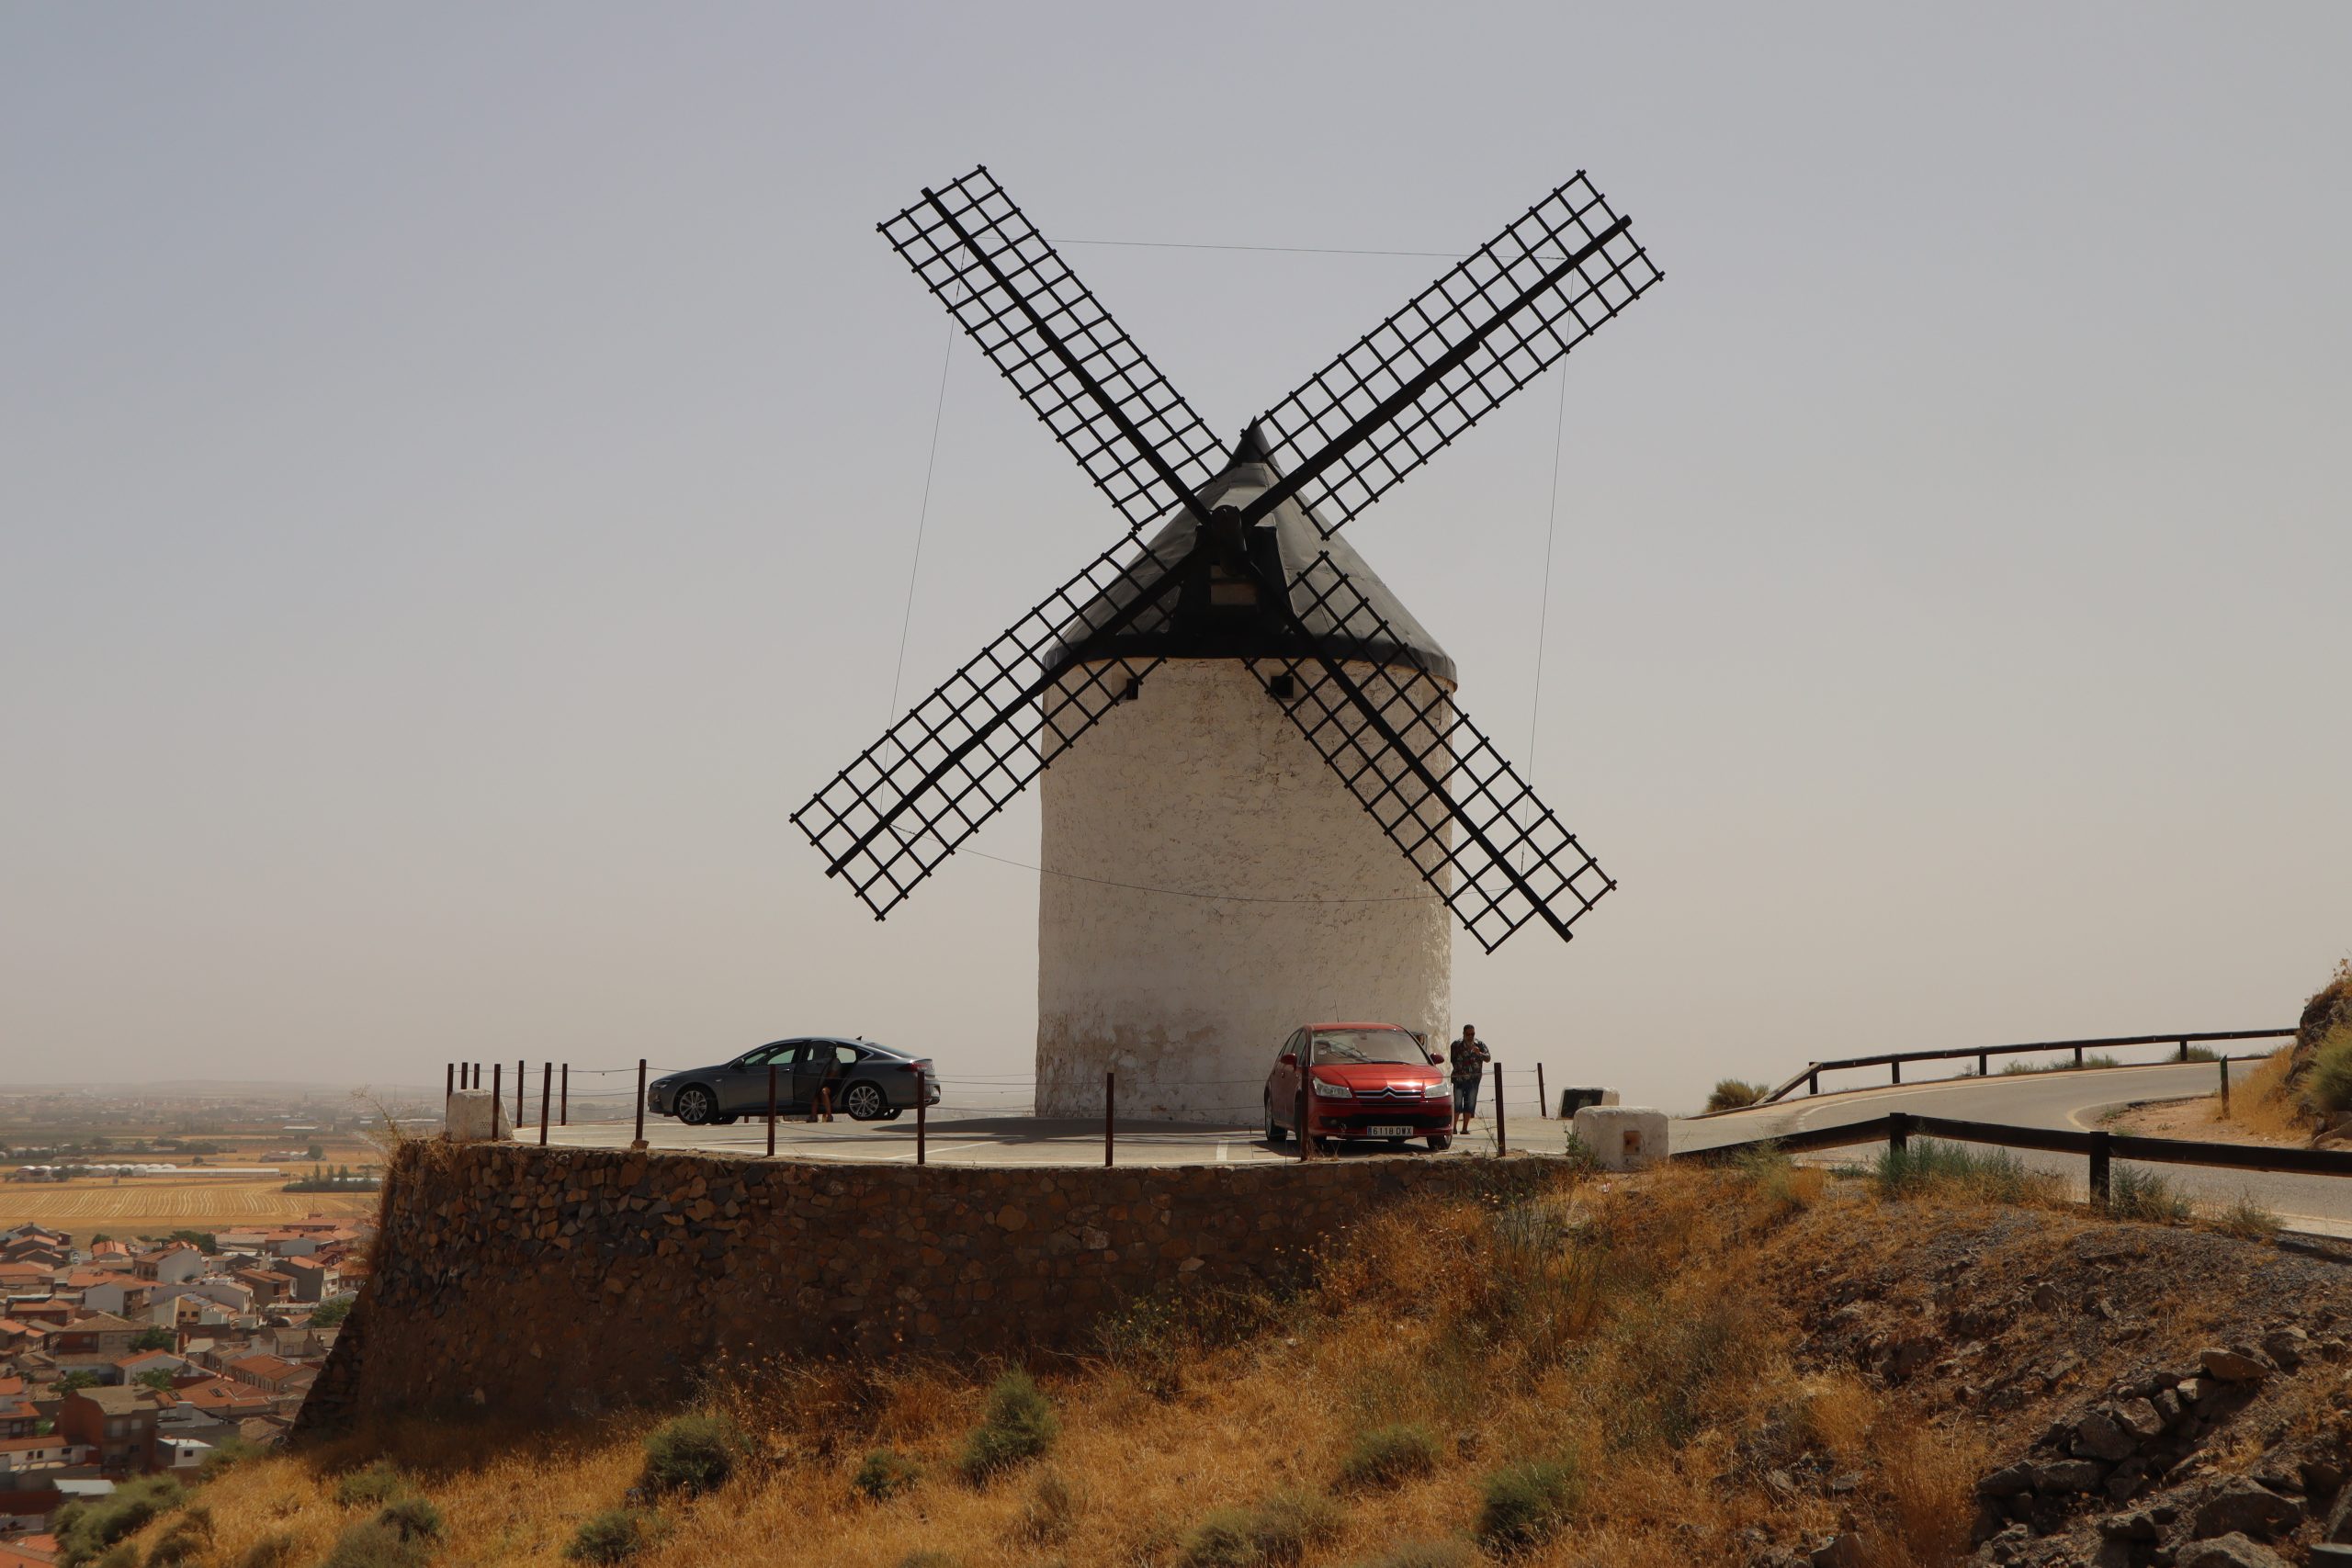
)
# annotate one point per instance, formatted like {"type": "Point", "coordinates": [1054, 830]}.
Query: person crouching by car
{"type": "Point", "coordinates": [1470, 1057]}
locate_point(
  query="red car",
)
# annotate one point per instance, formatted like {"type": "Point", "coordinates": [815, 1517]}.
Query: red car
{"type": "Point", "coordinates": [1364, 1080]}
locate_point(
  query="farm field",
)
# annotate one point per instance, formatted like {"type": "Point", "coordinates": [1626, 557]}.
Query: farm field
{"type": "Point", "coordinates": [157, 1205]}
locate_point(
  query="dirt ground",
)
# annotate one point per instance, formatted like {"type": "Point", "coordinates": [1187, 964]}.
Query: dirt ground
{"type": "Point", "coordinates": [2197, 1119]}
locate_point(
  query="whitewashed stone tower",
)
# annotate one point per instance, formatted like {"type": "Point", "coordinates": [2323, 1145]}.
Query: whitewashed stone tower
{"type": "Point", "coordinates": [1211, 883]}
{"type": "Point", "coordinates": [1260, 795]}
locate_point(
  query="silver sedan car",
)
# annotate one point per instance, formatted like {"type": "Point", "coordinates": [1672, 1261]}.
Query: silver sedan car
{"type": "Point", "coordinates": [871, 1082]}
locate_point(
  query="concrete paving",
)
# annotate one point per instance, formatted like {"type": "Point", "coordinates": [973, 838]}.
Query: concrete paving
{"type": "Point", "coordinates": [2061, 1099]}
{"type": "Point", "coordinates": [966, 1138]}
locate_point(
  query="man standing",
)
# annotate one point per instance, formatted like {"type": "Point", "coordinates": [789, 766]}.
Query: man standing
{"type": "Point", "coordinates": [1470, 1057]}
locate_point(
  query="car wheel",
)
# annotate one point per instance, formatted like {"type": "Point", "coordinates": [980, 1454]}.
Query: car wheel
{"type": "Point", "coordinates": [1275, 1133]}
{"type": "Point", "coordinates": [696, 1106]}
{"type": "Point", "coordinates": [1440, 1143]}
{"type": "Point", "coordinates": [864, 1102]}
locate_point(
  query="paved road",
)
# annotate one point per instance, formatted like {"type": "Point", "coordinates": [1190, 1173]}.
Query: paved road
{"type": "Point", "coordinates": [2070, 1100]}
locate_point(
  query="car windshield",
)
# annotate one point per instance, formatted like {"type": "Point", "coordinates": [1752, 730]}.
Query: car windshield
{"type": "Point", "coordinates": [1390, 1045]}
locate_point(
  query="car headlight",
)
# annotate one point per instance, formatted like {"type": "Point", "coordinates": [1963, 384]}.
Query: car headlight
{"type": "Point", "coordinates": [1330, 1091]}
{"type": "Point", "coordinates": [1438, 1090]}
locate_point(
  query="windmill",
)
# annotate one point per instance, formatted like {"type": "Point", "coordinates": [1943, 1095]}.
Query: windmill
{"type": "Point", "coordinates": [1259, 796]}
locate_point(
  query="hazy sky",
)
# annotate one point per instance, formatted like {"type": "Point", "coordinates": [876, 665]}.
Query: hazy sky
{"type": "Point", "coordinates": [460, 467]}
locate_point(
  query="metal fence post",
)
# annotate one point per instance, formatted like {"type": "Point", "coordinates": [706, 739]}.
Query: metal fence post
{"type": "Point", "coordinates": [2078, 1055]}
{"type": "Point", "coordinates": [1813, 1081]}
{"type": "Point", "coordinates": [1542, 1103]}
{"type": "Point", "coordinates": [497, 1096]}
{"type": "Point", "coordinates": [771, 1110]}
{"type": "Point", "coordinates": [2184, 1051]}
{"type": "Point", "coordinates": [1502, 1138]}
{"type": "Point", "coordinates": [2226, 1084]}
{"type": "Point", "coordinates": [547, 1080]}
{"type": "Point", "coordinates": [563, 1105]}
{"type": "Point", "coordinates": [1110, 1115]}
{"type": "Point", "coordinates": [640, 1105]}
{"type": "Point", "coordinates": [922, 1098]}
{"type": "Point", "coordinates": [1898, 1132]}
{"type": "Point", "coordinates": [522, 1071]}
{"type": "Point", "coordinates": [1305, 1143]}
{"type": "Point", "coordinates": [1984, 1065]}
{"type": "Point", "coordinates": [2100, 1186]}
{"type": "Point", "coordinates": [1898, 1070]}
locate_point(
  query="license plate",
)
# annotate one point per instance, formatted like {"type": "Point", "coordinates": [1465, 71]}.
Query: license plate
{"type": "Point", "coordinates": [1387, 1132]}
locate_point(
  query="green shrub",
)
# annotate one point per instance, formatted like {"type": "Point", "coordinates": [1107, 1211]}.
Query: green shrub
{"type": "Point", "coordinates": [885, 1474]}
{"type": "Point", "coordinates": [1526, 1505]}
{"type": "Point", "coordinates": [372, 1486]}
{"type": "Point", "coordinates": [1730, 1094]}
{"type": "Point", "coordinates": [1425, 1554]}
{"type": "Point", "coordinates": [2016, 1065]}
{"type": "Point", "coordinates": [1387, 1455]}
{"type": "Point", "coordinates": [614, 1536]}
{"type": "Point", "coordinates": [691, 1454]}
{"type": "Point", "coordinates": [2247, 1219]}
{"type": "Point", "coordinates": [414, 1517]}
{"type": "Point", "coordinates": [187, 1537]}
{"type": "Point", "coordinates": [226, 1455]}
{"type": "Point", "coordinates": [2327, 1086]}
{"type": "Point", "coordinates": [122, 1554]}
{"type": "Point", "coordinates": [1019, 1425]}
{"type": "Point", "coordinates": [270, 1551]}
{"type": "Point", "coordinates": [1994, 1174]}
{"type": "Point", "coordinates": [375, 1544]}
{"type": "Point", "coordinates": [2134, 1193]}
{"type": "Point", "coordinates": [85, 1530]}
{"type": "Point", "coordinates": [1274, 1534]}
{"type": "Point", "coordinates": [1578, 1155]}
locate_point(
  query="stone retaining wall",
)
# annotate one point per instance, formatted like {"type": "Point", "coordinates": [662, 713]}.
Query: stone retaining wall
{"type": "Point", "coordinates": [579, 1279]}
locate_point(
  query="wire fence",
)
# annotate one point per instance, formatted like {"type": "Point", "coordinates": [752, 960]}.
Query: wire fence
{"type": "Point", "coordinates": [544, 1101]}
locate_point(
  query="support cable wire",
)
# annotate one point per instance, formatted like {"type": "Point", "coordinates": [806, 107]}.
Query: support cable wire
{"type": "Point", "coordinates": [922, 517]}
{"type": "Point", "coordinates": [1551, 528]}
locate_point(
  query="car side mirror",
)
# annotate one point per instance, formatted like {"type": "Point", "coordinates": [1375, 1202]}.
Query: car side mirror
{"type": "Point", "coordinates": [1435, 1060]}
{"type": "Point", "coordinates": [1289, 1058]}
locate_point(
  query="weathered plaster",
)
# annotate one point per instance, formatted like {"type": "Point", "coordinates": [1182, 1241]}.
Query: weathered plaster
{"type": "Point", "coordinates": [1202, 787]}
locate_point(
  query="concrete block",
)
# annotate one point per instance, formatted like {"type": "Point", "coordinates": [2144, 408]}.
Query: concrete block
{"type": "Point", "coordinates": [1575, 1099]}
{"type": "Point", "coordinates": [476, 1117]}
{"type": "Point", "coordinates": [1622, 1137]}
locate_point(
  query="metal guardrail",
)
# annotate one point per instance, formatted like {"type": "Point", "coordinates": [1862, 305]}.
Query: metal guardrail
{"type": "Point", "coordinates": [1810, 1074]}
{"type": "Point", "coordinates": [2100, 1148]}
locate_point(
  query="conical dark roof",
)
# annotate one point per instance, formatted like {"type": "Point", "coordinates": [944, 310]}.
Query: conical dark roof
{"type": "Point", "coordinates": [1197, 621]}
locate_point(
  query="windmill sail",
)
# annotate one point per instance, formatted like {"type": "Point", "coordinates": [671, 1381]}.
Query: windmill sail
{"type": "Point", "coordinates": [1399, 740]}
{"type": "Point", "coordinates": [1455, 352]}
{"type": "Point", "coordinates": [1100, 394]}
{"type": "Point", "coordinates": [886, 821]}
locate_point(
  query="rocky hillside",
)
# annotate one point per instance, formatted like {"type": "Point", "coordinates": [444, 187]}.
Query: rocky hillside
{"type": "Point", "coordinates": [1764, 1365]}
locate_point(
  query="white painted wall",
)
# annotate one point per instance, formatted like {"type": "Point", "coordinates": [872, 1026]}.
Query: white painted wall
{"type": "Point", "coordinates": [1201, 785]}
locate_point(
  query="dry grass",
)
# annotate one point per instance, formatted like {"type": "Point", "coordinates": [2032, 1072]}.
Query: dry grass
{"type": "Point", "coordinates": [2261, 1103]}
{"type": "Point", "coordinates": [159, 1205]}
{"type": "Point", "coordinates": [1613, 1330]}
